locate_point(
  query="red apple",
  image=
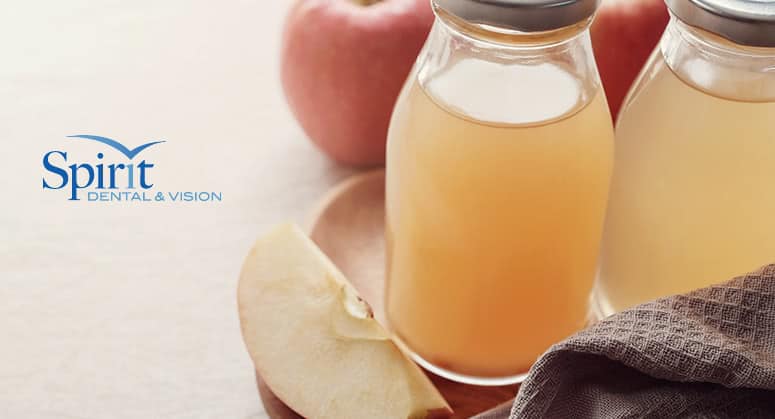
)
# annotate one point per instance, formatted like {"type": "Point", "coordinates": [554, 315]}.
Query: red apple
{"type": "Point", "coordinates": [624, 34]}
{"type": "Point", "coordinates": [343, 65]}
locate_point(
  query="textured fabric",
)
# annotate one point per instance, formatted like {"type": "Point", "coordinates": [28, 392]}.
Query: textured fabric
{"type": "Point", "coordinates": [706, 354]}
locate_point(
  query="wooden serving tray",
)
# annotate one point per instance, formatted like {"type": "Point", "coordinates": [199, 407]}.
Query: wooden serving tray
{"type": "Point", "coordinates": [349, 226]}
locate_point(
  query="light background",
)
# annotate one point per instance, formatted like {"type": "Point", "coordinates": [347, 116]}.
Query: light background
{"type": "Point", "coordinates": [118, 310]}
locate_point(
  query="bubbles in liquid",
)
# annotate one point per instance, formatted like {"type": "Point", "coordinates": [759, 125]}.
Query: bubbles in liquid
{"type": "Point", "coordinates": [506, 93]}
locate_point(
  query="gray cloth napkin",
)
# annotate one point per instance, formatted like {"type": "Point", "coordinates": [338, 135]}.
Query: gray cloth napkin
{"type": "Point", "coordinates": [706, 354]}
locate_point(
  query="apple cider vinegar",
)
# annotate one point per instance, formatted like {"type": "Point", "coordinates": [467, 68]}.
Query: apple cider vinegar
{"type": "Point", "coordinates": [692, 198]}
{"type": "Point", "coordinates": [493, 228]}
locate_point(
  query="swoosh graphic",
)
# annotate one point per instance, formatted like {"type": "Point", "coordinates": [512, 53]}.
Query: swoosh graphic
{"type": "Point", "coordinates": [115, 144]}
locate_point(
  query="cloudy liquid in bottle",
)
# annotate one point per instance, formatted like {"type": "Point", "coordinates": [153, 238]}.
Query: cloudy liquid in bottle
{"type": "Point", "coordinates": [693, 197]}
{"type": "Point", "coordinates": [494, 214]}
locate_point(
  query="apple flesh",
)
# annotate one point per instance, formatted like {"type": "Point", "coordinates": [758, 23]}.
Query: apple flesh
{"type": "Point", "coordinates": [315, 342]}
{"type": "Point", "coordinates": [624, 34]}
{"type": "Point", "coordinates": [343, 65]}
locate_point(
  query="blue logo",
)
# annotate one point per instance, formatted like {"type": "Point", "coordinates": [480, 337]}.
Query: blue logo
{"type": "Point", "coordinates": [130, 154]}
{"type": "Point", "coordinates": [102, 180]}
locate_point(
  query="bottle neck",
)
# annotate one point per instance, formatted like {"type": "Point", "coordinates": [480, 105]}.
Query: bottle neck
{"type": "Point", "coordinates": [496, 67]}
{"type": "Point", "coordinates": [718, 66]}
{"type": "Point", "coordinates": [506, 36]}
{"type": "Point", "coordinates": [570, 45]}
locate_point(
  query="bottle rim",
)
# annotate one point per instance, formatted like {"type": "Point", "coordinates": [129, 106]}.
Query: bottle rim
{"type": "Point", "coordinates": [715, 44]}
{"type": "Point", "coordinates": [526, 16]}
{"type": "Point", "coordinates": [744, 22]}
{"type": "Point", "coordinates": [510, 38]}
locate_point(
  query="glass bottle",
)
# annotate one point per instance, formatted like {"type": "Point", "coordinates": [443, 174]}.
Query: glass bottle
{"type": "Point", "coordinates": [692, 199]}
{"type": "Point", "coordinates": [499, 159]}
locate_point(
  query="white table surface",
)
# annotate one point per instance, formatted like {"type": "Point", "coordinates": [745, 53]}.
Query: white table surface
{"type": "Point", "coordinates": [128, 310]}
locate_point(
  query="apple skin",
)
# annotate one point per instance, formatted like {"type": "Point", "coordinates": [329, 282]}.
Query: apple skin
{"type": "Point", "coordinates": [624, 34]}
{"type": "Point", "coordinates": [343, 66]}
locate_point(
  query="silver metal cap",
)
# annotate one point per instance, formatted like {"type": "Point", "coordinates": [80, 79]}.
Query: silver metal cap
{"type": "Point", "coordinates": [745, 22]}
{"type": "Point", "coordinates": [521, 15]}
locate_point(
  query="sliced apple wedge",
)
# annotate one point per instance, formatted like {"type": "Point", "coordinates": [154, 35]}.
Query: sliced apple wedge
{"type": "Point", "coordinates": [315, 342]}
